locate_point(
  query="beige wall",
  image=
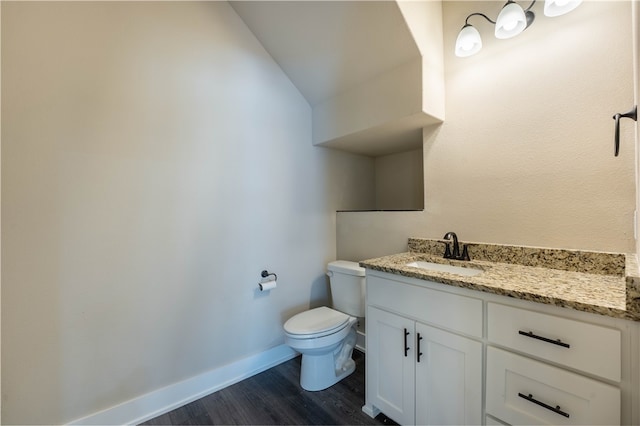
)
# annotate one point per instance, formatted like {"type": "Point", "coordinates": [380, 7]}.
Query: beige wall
{"type": "Point", "coordinates": [154, 161]}
{"type": "Point", "coordinates": [525, 155]}
{"type": "Point", "coordinates": [399, 181]}
{"type": "Point", "coordinates": [424, 19]}
{"type": "Point", "coordinates": [384, 113]}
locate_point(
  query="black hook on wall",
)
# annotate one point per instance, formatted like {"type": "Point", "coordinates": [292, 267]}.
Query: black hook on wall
{"type": "Point", "coordinates": [633, 114]}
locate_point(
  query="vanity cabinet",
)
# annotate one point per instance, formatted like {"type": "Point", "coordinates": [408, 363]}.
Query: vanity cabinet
{"type": "Point", "coordinates": [522, 390]}
{"type": "Point", "coordinates": [438, 354]}
{"type": "Point", "coordinates": [418, 373]}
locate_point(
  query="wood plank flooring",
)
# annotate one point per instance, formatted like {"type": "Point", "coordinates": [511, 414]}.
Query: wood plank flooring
{"type": "Point", "coordinates": [274, 397]}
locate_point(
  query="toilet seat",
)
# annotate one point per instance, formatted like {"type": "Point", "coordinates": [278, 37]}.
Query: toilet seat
{"type": "Point", "coordinates": [315, 323]}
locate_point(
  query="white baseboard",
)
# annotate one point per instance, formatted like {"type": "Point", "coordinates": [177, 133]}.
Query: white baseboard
{"type": "Point", "coordinates": [163, 400]}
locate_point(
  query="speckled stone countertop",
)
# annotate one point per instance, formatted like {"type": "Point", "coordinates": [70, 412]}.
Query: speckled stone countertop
{"type": "Point", "coordinates": [596, 282]}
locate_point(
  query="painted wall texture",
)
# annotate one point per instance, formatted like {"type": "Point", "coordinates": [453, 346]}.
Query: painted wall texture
{"type": "Point", "coordinates": [399, 181]}
{"type": "Point", "coordinates": [525, 155]}
{"type": "Point", "coordinates": [154, 160]}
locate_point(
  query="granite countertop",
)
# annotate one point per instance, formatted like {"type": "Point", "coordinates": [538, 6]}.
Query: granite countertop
{"type": "Point", "coordinates": [596, 282]}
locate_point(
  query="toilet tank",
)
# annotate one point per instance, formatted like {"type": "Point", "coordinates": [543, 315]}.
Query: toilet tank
{"type": "Point", "coordinates": [347, 287]}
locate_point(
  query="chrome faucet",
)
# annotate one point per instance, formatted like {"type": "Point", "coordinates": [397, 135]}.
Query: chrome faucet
{"type": "Point", "coordinates": [456, 248]}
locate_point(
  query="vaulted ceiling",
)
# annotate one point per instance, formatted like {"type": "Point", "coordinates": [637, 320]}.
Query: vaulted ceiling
{"type": "Point", "coordinates": [327, 47]}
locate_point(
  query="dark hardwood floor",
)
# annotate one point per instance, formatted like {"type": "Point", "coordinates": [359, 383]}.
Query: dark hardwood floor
{"type": "Point", "coordinates": [274, 397]}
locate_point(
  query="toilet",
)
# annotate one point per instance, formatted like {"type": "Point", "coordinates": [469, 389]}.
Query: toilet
{"type": "Point", "coordinates": [326, 337]}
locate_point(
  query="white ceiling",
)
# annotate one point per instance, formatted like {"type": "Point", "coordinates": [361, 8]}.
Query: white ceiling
{"type": "Point", "coordinates": [327, 47]}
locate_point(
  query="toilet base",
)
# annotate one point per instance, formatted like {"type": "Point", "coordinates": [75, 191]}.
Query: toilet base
{"type": "Point", "coordinates": [313, 374]}
{"type": "Point", "coordinates": [319, 372]}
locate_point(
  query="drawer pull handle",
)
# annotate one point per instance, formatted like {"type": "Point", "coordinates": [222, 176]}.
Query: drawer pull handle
{"type": "Point", "coordinates": [544, 339]}
{"type": "Point", "coordinates": [555, 409]}
{"type": "Point", "coordinates": [406, 348]}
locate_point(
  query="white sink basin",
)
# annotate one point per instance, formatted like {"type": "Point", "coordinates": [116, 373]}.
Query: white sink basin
{"type": "Point", "coordinates": [458, 270]}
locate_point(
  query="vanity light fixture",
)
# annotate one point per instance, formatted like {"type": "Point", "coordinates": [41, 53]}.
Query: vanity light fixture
{"type": "Point", "coordinates": [511, 21]}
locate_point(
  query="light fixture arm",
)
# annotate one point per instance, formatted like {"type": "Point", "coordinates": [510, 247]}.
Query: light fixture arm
{"type": "Point", "coordinates": [466, 21]}
{"type": "Point", "coordinates": [530, 6]}
{"type": "Point", "coordinates": [529, 14]}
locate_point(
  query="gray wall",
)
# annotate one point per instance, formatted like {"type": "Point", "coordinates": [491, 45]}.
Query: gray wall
{"type": "Point", "coordinates": [154, 160]}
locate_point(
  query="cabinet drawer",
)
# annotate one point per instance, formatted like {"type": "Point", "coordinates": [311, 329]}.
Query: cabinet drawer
{"type": "Point", "coordinates": [523, 391]}
{"type": "Point", "coordinates": [451, 311]}
{"type": "Point", "coordinates": [586, 347]}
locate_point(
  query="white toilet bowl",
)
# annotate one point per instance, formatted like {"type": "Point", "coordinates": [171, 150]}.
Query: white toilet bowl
{"type": "Point", "coordinates": [325, 338]}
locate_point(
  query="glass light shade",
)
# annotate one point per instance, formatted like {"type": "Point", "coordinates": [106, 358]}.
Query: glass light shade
{"type": "Point", "coordinates": [468, 42]}
{"type": "Point", "coordinates": [511, 21]}
{"type": "Point", "coordinates": [560, 7]}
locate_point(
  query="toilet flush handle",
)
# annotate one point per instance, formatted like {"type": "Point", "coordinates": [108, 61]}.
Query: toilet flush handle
{"type": "Point", "coordinates": [329, 274]}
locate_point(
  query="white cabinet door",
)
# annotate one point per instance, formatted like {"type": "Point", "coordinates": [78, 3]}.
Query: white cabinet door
{"type": "Point", "coordinates": [448, 378]}
{"type": "Point", "coordinates": [391, 364]}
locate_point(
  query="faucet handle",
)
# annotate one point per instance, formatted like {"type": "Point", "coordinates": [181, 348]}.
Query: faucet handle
{"type": "Point", "coordinates": [465, 253]}
{"type": "Point", "coordinates": [447, 251]}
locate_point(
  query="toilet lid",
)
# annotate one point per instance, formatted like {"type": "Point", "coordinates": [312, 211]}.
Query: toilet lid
{"type": "Point", "coordinates": [316, 320]}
